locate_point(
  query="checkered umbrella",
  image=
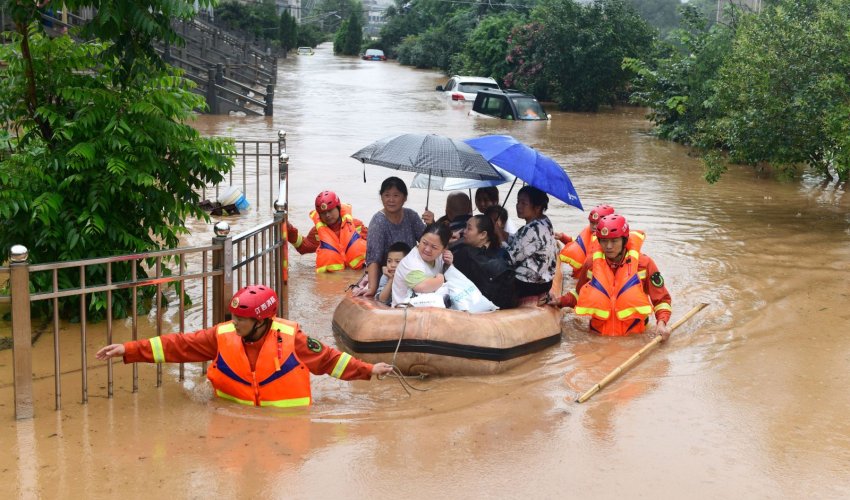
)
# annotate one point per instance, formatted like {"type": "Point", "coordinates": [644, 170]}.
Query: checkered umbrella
{"type": "Point", "coordinates": [429, 154]}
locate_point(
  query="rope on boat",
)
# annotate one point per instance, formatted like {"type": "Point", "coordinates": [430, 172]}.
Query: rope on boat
{"type": "Point", "coordinates": [396, 373]}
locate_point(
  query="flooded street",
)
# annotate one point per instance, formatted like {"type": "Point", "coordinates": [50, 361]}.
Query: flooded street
{"type": "Point", "coordinates": [749, 398]}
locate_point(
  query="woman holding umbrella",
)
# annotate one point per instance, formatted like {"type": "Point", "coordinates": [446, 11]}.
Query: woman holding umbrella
{"type": "Point", "coordinates": [393, 223]}
{"type": "Point", "coordinates": [533, 250]}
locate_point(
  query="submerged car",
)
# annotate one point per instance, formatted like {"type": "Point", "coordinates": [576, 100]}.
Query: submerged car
{"type": "Point", "coordinates": [465, 88]}
{"type": "Point", "coordinates": [374, 55]}
{"type": "Point", "coordinates": [304, 51]}
{"type": "Point", "coordinates": [508, 105]}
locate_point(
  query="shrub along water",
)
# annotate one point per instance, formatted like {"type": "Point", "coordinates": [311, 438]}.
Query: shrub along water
{"type": "Point", "coordinates": [98, 158]}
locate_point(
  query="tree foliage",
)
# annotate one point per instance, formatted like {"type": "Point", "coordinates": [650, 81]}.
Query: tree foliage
{"type": "Point", "coordinates": [485, 51]}
{"type": "Point", "coordinates": [574, 52]}
{"type": "Point", "coordinates": [767, 89]}
{"type": "Point", "coordinates": [97, 158]}
{"type": "Point", "coordinates": [677, 82]}
{"type": "Point", "coordinates": [309, 35]}
{"type": "Point", "coordinates": [784, 90]}
{"type": "Point", "coordinates": [352, 37]}
{"type": "Point", "coordinates": [258, 19]}
{"type": "Point", "coordinates": [288, 32]}
{"type": "Point", "coordinates": [331, 13]}
{"type": "Point", "coordinates": [435, 47]}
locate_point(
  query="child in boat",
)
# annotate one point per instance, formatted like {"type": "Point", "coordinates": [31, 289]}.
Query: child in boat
{"type": "Point", "coordinates": [421, 271]}
{"type": "Point", "coordinates": [487, 197]}
{"type": "Point", "coordinates": [395, 254]}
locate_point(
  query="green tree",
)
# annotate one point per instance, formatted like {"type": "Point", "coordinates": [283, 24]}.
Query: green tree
{"type": "Point", "coordinates": [309, 35]}
{"type": "Point", "coordinates": [575, 51]}
{"type": "Point", "coordinates": [258, 19]}
{"type": "Point", "coordinates": [288, 32]}
{"type": "Point", "coordinates": [677, 82]}
{"type": "Point", "coordinates": [783, 95]}
{"type": "Point", "coordinates": [486, 49]}
{"type": "Point", "coordinates": [339, 37]}
{"type": "Point", "coordinates": [97, 157]}
{"type": "Point", "coordinates": [435, 47]}
{"type": "Point", "coordinates": [331, 13]}
{"type": "Point", "coordinates": [350, 35]}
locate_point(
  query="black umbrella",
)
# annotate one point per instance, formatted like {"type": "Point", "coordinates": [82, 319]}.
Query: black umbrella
{"type": "Point", "coordinates": [430, 154]}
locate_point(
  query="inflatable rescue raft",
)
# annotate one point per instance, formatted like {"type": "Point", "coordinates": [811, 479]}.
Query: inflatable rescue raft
{"type": "Point", "coordinates": [444, 341]}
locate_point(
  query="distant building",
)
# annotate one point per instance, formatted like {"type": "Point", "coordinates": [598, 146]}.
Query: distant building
{"type": "Point", "coordinates": [375, 19]}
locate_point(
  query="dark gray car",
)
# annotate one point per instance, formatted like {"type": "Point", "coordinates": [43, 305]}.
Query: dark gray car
{"type": "Point", "coordinates": [508, 105]}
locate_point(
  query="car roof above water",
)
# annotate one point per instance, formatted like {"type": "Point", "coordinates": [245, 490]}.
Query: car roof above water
{"type": "Point", "coordinates": [474, 79]}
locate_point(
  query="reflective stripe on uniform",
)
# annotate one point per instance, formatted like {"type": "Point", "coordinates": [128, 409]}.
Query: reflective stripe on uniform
{"type": "Point", "coordinates": [642, 310]}
{"type": "Point", "coordinates": [593, 312]}
{"type": "Point", "coordinates": [642, 274]}
{"type": "Point", "coordinates": [283, 328]}
{"type": "Point", "coordinates": [664, 306]}
{"type": "Point", "coordinates": [356, 261]}
{"type": "Point", "coordinates": [225, 328]}
{"type": "Point", "coordinates": [331, 268]}
{"type": "Point", "coordinates": [156, 348]}
{"type": "Point", "coordinates": [224, 395]}
{"type": "Point", "coordinates": [287, 403]}
{"type": "Point", "coordinates": [298, 241]}
{"type": "Point", "coordinates": [572, 263]}
{"type": "Point", "coordinates": [341, 363]}
{"type": "Point", "coordinates": [574, 293]}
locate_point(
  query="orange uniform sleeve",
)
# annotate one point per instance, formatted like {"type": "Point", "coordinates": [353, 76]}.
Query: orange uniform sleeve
{"type": "Point", "coordinates": [323, 360]}
{"type": "Point", "coordinates": [306, 244]}
{"type": "Point", "coordinates": [570, 298]}
{"type": "Point", "coordinates": [361, 229]}
{"type": "Point", "coordinates": [176, 348]}
{"type": "Point", "coordinates": [654, 286]}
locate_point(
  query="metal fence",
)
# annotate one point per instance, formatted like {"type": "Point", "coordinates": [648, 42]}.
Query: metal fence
{"type": "Point", "coordinates": [200, 280]}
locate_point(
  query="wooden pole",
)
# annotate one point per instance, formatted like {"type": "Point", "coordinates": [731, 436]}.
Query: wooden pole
{"type": "Point", "coordinates": [636, 356]}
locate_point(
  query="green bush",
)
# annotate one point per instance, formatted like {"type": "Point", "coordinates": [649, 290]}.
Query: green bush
{"type": "Point", "coordinates": [99, 158]}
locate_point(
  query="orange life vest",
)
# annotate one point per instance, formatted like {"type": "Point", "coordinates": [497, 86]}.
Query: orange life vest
{"type": "Point", "coordinates": [575, 252]}
{"type": "Point", "coordinates": [279, 378]}
{"type": "Point", "coordinates": [335, 253]}
{"type": "Point", "coordinates": [616, 301]}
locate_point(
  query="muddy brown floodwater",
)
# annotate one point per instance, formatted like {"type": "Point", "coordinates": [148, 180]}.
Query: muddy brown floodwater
{"type": "Point", "coordinates": [750, 398]}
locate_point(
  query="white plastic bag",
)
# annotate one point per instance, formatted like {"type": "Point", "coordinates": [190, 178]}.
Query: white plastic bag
{"type": "Point", "coordinates": [432, 299]}
{"type": "Point", "coordinates": [465, 296]}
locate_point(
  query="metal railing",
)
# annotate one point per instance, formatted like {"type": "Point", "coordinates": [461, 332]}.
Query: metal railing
{"type": "Point", "coordinates": [207, 275]}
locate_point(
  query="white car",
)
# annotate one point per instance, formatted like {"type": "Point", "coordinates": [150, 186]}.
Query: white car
{"type": "Point", "coordinates": [304, 51]}
{"type": "Point", "coordinates": [465, 88]}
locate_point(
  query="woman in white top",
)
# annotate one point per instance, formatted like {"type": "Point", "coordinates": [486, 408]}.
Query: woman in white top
{"type": "Point", "coordinates": [422, 269]}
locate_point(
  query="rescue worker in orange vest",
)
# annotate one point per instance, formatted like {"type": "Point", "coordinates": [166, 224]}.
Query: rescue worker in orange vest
{"type": "Point", "coordinates": [258, 359]}
{"type": "Point", "coordinates": [576, 250]}
{"type": "Point", "coordinates": [619, 287]}
{"type": "Point", "coordinates": [337, 238]}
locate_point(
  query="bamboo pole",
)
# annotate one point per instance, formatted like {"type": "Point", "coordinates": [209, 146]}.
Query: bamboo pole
{"type": "Point", "coordinates": [636, 356]}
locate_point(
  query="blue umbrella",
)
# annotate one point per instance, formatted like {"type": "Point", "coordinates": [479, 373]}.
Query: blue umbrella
{"type": "Point", "coordinates": [528, 164]}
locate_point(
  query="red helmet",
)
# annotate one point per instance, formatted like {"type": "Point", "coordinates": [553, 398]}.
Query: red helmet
{"type": "Point", "coordinates": [254, 301]}
{"type": "Point", "coordinates": [612, 226]}
{"type": "Point", "coordinates": [327, 200]}
{"type": "Point", "coordinates": [598, 212]}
